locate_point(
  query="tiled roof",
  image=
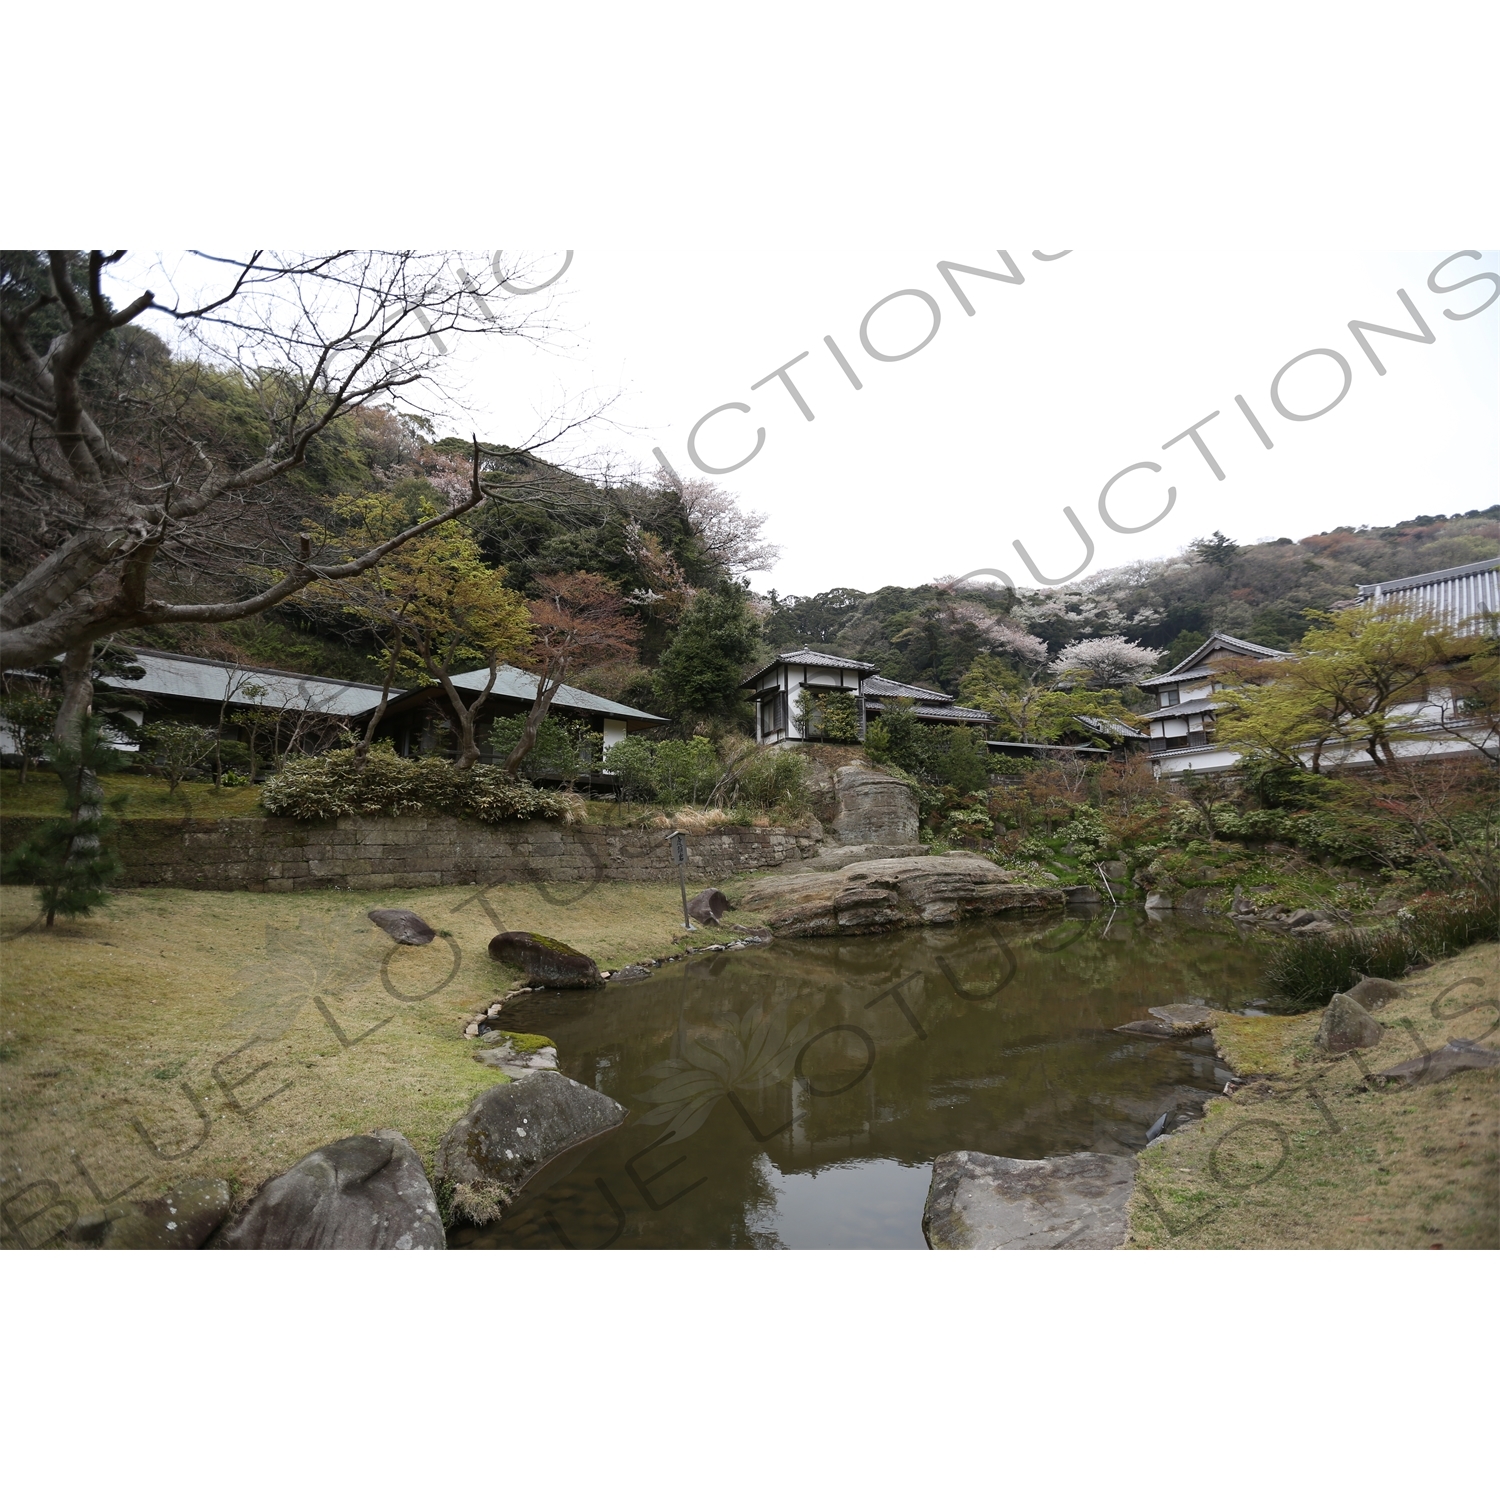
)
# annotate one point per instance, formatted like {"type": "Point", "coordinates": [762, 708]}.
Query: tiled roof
{"type": "Point", "coordinates": [169, 675]}
{"type": "Point", "coordinates": [807, 657]}
{"type": "Point", "coordinates": [949, 712]}
{"type": "Point", "coordinates": [884, 687]}
{"type": "Point", "coordinates": [510, 682]}
{"type": "Point", "coordinates": [1455, 595]}
{"type": "Point", "coordinates": [1109, 726]}
{"type": "Point", "coordinates": [1184, 669]}
{"type": "Point", "coordinates": [1182, 710]}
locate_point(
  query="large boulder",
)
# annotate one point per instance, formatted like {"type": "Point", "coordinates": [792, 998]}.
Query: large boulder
{"type": "Point", "coordinates": [405, 926]}
{"type": "Point", "coordinates": [1347, 1025]}
{"type": "Point", "coordinates": [707, 907]}
{"type": "Point", "coordinates": [511, 1133]}
{"type": "Point", "coordinates": [365, 1192]}
{"type": "Point", "coordinates": [546, 961]}
{"type": "Point", "coordinates": [842, 855]}
{"type": "Point", "coordinates": [884, 894]}
{"type": "Point", "coordinates": [874, 808]}
{"type": "Point", "coordinates": [979, 1202]}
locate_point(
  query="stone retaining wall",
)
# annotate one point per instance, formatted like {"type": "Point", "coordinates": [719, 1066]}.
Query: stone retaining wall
{"type": "Point", "coordinates": [371, 854]}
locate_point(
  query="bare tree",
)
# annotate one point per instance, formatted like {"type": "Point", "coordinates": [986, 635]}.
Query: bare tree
{"type": "Point", "coordinates": [109, 489]}
{"type": "Point", "coordinates": [730, 536]}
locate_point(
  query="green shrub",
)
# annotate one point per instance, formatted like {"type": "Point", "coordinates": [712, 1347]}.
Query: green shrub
{"type": "Point", "coordinates": [385, 785]}
{"type": "Point", "coordinates": [633, 760]}
{"type": "Point", "coordinates": [558, 750]}
{"type": "Point", "coordinates": [768, 779]}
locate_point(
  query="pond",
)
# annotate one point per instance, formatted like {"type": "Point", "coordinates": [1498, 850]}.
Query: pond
{"type": "Point", "coordinates": [794, 1096]}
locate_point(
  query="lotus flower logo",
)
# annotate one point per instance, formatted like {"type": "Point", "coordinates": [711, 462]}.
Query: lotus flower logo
{"type": "Point", "coordinates": [323, 955]}
{"type": "Point", "coordinates": [755, 1050]}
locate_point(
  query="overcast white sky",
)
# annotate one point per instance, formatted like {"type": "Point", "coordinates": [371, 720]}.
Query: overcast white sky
{"type": "Point", "coordinates": [944, 459]}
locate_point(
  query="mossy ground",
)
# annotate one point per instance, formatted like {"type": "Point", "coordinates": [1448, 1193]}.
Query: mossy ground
{"type": "Point", "coordinates": [243, 1030]}
{"type": "Point", "coordinates": [1305, 1156]}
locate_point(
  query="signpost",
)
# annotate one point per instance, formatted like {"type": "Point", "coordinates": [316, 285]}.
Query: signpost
{"type": "Point", "coordinates": [678, 840]}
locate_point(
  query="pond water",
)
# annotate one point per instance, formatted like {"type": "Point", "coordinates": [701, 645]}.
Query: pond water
{"type": "Point", "coordinates": [794, 1096]}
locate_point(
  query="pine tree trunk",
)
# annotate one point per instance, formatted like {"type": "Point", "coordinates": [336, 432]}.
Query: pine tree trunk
{"type": "Point", "coordinates": [82, 786]}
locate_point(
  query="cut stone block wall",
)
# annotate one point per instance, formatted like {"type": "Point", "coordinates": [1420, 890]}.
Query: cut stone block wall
{"type": "Point", "coordinates": [371, 854]}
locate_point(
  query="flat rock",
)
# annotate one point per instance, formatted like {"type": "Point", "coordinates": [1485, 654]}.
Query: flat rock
{"type": "Point", "coordinates": [1185, 1020]}
{"type": "Point", "coordinates": [1148, 1028]}
{"type": "Point", "coordinates": [181, 1219]}
{"type": "Point", "coordinates": [979, 1202]}
{"type": "Point", "coordinates": [874, 807]}
{"type": "Point", "coordinates": [1347, 1025]}
{"type": "Point", "coordinates": [514, 1059]}
{"type": "Point", "coordinates": [630, 973]}
{"type": "Point", "coordinates": [707, 907]}
{"type": "Point", "coordinates": [1372, 993]}
{"type": "Point", "coordinates": [1457, 1056]}
{"type": "Point", "coordinates": [884, 894]}
{"type": "Point", "coordinates": [510, 1133]}
{"type": "Point", "coordinates": [365, 1192]}
{"type": "Point", "coordinates": [839, 856]}
{"type": "Point", "coordinates": [547, 962]}
{"type": "Point", "coordinates": [405, 926]}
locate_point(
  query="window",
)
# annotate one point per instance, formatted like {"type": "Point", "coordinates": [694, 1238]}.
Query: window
{"type": "Point", "coordinates": [1169, 696]}
{"type": "Point", "coordinates": [773, 714]}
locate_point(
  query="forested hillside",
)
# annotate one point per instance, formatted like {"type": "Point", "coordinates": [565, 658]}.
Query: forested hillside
{"type": "Point", "coordinates": [931, 635]}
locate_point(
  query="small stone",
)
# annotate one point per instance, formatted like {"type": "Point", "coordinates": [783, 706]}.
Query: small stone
{"type": "Point", "coordinates": [405, 926]}
{"type": "Point", "coordinates": [1372, 993]}
{"type": "Point", "coordinates": [629, 973]}
{"type": "Point", "coordinates": [472, 1029]}
{"type": "Point", "coordinates": [1347, 1025]}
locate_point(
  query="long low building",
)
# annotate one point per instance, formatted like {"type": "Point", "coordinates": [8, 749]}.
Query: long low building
{"type": "Point", "coordinates": [200, 690]}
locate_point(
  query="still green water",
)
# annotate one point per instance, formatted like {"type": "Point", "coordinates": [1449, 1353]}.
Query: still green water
{"type": "Point", "coordinates": [795, 1096]}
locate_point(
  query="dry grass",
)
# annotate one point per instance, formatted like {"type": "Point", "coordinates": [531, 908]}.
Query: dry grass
{"type": "Point", "coordinates": [1358, 1167]}
{"type": "Point", "coordinates": [276, 1017]}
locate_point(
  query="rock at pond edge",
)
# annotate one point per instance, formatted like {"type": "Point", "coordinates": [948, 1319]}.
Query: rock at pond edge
{"type": "Point", "coordinates": [547, 961]}
{"type": "Point", "coordinates": [511, 1132]}
{"type": "Point", "coordinates": [980, 1202]}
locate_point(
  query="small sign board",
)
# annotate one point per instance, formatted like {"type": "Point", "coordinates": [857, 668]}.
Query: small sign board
{"type": "Point", "coordinates": [679, 847]}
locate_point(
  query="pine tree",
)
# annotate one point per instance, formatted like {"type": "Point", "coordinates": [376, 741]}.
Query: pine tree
{"type": "Point", "coordinates": [66, 859]}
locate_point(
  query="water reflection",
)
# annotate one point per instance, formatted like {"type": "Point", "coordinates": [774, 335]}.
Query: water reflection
{"type": "Point", "coordinates": [795, 1096]}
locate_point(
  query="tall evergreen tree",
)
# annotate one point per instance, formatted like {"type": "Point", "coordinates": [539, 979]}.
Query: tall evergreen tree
{"type": "Point", "coordinates": [718, 638]}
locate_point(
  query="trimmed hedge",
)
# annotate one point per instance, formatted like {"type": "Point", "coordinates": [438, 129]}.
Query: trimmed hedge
{"type": "Point", "coordinates": [387, 786]}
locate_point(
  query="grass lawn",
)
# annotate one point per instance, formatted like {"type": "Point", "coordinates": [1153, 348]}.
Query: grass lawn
{"type": "Point", "coordinates": [1305, 1157]}
{"type": "Point", "coordinates": [183, 1034]}
{"type": "Point", "coordinates": [149, 797]}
